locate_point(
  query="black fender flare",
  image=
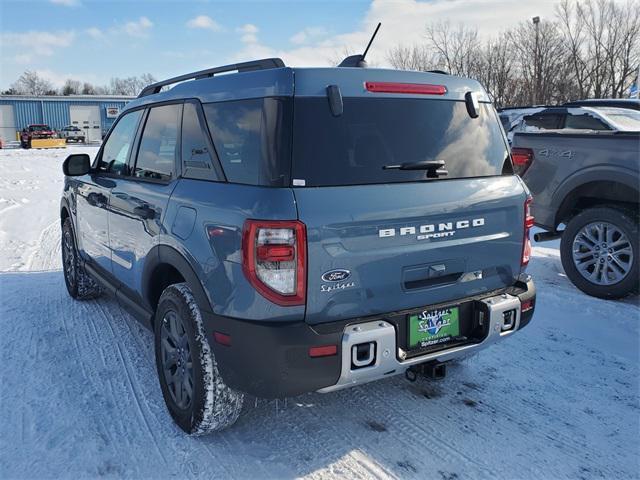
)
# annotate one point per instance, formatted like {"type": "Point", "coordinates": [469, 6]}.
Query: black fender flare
{"type": "Point", "coordinates": [164, 254]}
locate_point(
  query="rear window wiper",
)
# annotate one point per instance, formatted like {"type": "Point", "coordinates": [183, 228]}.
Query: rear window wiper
{"type": "Point", "coordinates": [434, 168]}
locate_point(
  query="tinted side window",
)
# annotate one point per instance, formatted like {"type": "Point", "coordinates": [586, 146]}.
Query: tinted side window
{"type": "Point", "coordinates": [542, 122]}
{"type": "Point", "coordinates": [116, 149]}
{"type": "Point", "coordinates": [584, 122]}
{"type": "Point", "coordinates": [195, 151]}
{"type": "Point", "coordinates": [252, 139]}
{"type": "Point", "coordinates": [158, 146]}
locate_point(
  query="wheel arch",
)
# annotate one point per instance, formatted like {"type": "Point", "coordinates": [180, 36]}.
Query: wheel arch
{"type": "Point", "coordinates": [165, 266]}
{"type": "Point", "coordinates": [65, 211]}
{"type": "Point", "coordinates": [590, 191]}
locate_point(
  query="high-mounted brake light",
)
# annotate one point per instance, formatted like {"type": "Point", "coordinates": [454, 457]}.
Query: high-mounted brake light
{"type": "Point", "coordinates": [409, 88]}
{"type": "Point", "coordinates": [528, 225]}
{"type": "Point", "coordinates": [274, 260]}
{"type": "Point", "coordinates": [522, 159]}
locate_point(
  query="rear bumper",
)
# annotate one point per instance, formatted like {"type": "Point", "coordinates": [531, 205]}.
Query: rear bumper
{"type": "Point", "coordinates": [271, 360]}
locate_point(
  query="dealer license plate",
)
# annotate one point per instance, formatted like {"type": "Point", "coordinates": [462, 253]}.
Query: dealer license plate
{"type": "Point", "coordinates": [432, 327]}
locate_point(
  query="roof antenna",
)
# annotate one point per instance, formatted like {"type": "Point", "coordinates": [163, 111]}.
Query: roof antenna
{"type": "Point", "coordinates": [357, 60]}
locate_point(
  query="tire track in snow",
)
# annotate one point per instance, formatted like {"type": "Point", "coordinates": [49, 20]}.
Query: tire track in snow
{"type": "Point", "coordinates": [123, 318]}
{"type": "Point", "coordinates": [47, 253]}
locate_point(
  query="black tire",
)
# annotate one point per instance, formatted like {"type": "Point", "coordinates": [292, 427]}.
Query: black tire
{"type": "Point", "coordinates": [180, 341]}
{"type": "Point", "coordinates": [623, 220]}
{"type": "Point", "coordinates": [79, 283]}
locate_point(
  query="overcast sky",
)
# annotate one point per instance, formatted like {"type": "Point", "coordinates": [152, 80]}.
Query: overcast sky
{"type": "Point", "coordinates": [95, 40]}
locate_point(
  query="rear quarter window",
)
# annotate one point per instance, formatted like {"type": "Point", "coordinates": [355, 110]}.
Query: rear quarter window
{"type": "Point", "coordinates": [252, 139]}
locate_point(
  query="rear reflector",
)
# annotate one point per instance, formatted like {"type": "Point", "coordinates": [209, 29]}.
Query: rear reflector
{"type": "Point", "coordinates": [324, 351]}
{"type": "Point", "coordinates": [526, 306]}
{"type": "Point", "coordinates": [409, 88]}
{"type": "Point", "coordinates": [222, 338]}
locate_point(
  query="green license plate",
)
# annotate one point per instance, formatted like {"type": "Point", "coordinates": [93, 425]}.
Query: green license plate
{"type": "Point", "coordinates": [432, 327]}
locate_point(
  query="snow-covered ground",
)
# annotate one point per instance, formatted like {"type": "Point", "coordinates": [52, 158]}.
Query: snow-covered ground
{"type": "Point", "coordinates": [79, 396]}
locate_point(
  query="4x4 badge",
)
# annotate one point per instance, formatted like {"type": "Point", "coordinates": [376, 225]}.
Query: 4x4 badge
{"type": "Point", "coordinates": [337, 275]}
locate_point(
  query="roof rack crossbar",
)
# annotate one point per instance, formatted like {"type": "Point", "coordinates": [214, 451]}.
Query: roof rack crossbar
{"type": "Point", "coordinates": [263, 64]}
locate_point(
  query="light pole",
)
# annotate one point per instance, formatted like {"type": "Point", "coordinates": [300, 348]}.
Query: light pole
{"type": "Point", "coordinates": [536, 90]}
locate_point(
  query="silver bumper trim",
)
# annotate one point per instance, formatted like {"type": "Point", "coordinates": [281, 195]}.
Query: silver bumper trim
{"type": "Point", "coordinates": [390, 360]}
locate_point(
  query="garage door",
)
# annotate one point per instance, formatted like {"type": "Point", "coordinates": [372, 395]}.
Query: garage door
{"type": "Point", "coordinates": [7, 123]}
{"type": "Point", "coordinates": [87, 118]}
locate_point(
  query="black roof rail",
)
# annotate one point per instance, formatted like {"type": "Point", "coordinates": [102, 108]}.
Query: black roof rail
{"type": "Point", "coordinates": [263, 64]}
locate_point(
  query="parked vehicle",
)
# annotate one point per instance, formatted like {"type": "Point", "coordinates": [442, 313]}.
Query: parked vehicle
{"type": "Point", "coordinates": [594, 119]}
{"type": "Point", "coordinates": [286, 230]}
{"type": "Point", "coordinates": [72, 133]}
{"type": "Point", "coordinates": [35, 131]}
{"type": "Point", "coordinates": [511, 117]}
{"type": "Point", "coordinates": [588, 180]}
{"type": "Point", "coordinates": [630, 103]}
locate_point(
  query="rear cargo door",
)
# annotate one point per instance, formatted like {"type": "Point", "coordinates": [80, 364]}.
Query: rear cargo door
{"type": "Point", "coordinates": [382, 240]}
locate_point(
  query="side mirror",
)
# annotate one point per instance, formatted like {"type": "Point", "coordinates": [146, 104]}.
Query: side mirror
{"type": "Point", "coordinates": [76, 165]}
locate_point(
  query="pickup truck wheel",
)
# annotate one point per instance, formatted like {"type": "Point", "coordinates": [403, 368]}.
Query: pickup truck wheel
{"type": "Point", "coordinates": [193, 390]}
{"type": "Point", "coordinates": [599, 252]}
{"type": "Point", "coordinates": [79, 283]}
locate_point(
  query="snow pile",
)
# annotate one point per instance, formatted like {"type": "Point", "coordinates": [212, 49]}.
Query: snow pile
{"type": "Point", "coordinates": [79, 395]}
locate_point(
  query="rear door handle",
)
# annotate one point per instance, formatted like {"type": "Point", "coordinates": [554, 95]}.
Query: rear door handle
{"type": "Point", "coordinates": [145, 212]}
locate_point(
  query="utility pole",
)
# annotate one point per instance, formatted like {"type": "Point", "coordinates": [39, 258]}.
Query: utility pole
{"type": "Point", "coordinates": [536, 61]}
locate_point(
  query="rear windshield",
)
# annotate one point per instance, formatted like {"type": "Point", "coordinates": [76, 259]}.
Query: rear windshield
{"type": "Point", "coordinates": [353, 148]}
{"type": "Point", "coordinates": [252, 139]}
{"type": "Point", "coordinates": [622, 119]}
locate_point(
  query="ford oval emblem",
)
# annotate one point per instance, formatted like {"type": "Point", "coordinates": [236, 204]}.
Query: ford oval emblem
{"type": "Point", "coordinates": [336, 275]}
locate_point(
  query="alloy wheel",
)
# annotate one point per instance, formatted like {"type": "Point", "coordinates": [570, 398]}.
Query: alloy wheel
{"type": "Point", "coordinates": [602, 253]}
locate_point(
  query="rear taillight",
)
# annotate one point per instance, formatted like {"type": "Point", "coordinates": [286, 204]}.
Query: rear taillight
{"type": "Point", "coordinates": [522, 159]}
{"type": "Point", "coordinates": [408, 88]}
{"type": "Point", "coordinates": [528, 225]}
{"type": "Point", "coordinates": [274, 260]}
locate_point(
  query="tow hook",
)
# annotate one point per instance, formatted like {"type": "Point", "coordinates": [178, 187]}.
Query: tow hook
{"type": "Point", "coordinates": [431, 370]}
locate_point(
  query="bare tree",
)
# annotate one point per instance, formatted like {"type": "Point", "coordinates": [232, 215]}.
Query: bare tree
{"type": "Point", "coordinates": [575, 40]}
{"type": "Point", "coordinates": [603, 42]}
{"type": "Point", "coordinates": [131, 85]}
{"type": "Point", "coordinates": [30, 83]}
{"type": "Point", "coordinates": [456, 50]}
{"type": "Point", "coordinates": [496, 69]}
{"type": "Point", "coordinates": [88, 89]}
{"type": "Point", "coordinates": [71, 87]}
{"type": "Point", "coordinates": [416, 57]}
{"type": "Point", "coordinates": [541, 60]}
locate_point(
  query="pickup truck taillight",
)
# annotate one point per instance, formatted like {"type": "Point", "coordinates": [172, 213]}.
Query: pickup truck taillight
{"type": "Point", "coordinates": [528, 225]}
{"type": "Point", "coordinates": [274, 260]}
{"type": "Point", "coordinates": [522, 159]}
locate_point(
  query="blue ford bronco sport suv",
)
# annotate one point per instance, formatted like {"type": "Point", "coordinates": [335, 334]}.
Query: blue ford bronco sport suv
{"type": "Point", "coordinates": [290, 230]}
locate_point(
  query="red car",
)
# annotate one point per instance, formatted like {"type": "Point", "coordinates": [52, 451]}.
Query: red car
{"type": "Point", "coordinates": [35, 131]}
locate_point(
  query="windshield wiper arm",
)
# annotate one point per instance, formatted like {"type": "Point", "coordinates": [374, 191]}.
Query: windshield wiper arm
{"type": "Point", "coordinates": [434, 168]}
